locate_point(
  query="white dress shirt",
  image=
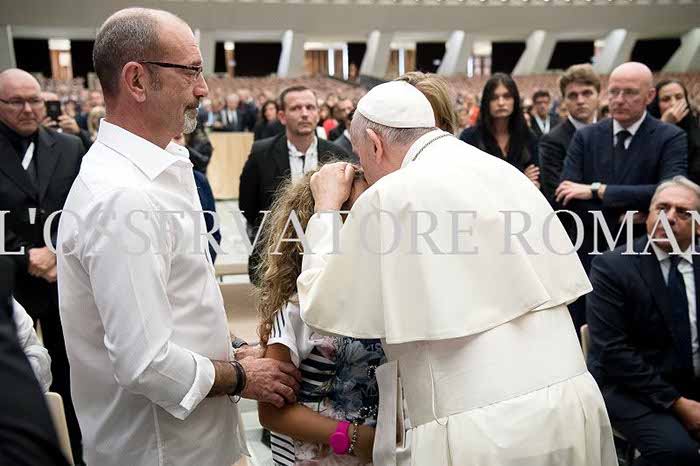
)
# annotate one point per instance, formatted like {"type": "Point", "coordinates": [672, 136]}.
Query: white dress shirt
{"type": "Point", "coordinates": [37, 355]}
{"type": "Point", "coordinates": [617, 127]}
{"type": "Point", "coordinates": [685, 267]}
{"type": "Point", "coordinates": [543, 124]}
{"type": "Point", "coordinates": [298, 166]}
{"type": "Point", "coordinates": [141, 310]}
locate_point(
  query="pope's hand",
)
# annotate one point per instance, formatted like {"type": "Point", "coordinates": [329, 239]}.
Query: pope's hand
{"type": "Point", "coordinates": [331, 185]}
{"type": "Point", "coordinates": [270, 381]}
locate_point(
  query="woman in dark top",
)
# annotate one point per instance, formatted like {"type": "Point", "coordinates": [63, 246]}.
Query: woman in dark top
{"type": "Point", "coordinates": [268, 126]}
{"type": "Point", "coordinates": [501, 129]}
{"type": "Point", "coordinates": [671, 105]}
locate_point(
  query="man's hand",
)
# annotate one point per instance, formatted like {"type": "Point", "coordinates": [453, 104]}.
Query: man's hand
{"type": "Point", "coordinates": [359, 186]}
{"type": "Point", "coordinates": [68, 124]}
{"type": "Point", "coordinates": [270, 381]}
{"type": "Point", "coordinates": [688, 412]}
{"type": "Point", "coordinates": [247, 351]}
{"type": "Point", "coordinates": [50, 276]}
{"type": "Point", "coordinates": [47, 122]}
{"type": "Point", "coordinates": [41, 261]}
{"type": "Point", "coordinates": [331, 185]}
{"type": "Point", "coordinates": [569, 190]}
{"type": "Point", "coordinates": [676, 113]}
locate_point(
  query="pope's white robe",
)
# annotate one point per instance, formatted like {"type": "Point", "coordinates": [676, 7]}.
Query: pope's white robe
{"type": "Point", "coordinates": [484, 378]}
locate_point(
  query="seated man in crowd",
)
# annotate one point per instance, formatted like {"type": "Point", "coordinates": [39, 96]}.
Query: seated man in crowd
{"type": "Point", "coordinates": [642, 317]}
{"type": "Point", "coordinates": [234, 117]}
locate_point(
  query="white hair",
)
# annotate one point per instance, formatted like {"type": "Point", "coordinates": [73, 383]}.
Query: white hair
{"type": "Point", "coordinates": [391, 136]}
{"type": "Point", "coordinates": [681, 181]}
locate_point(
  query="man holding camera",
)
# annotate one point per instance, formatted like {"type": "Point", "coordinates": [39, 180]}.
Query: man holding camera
{"type": "Point", "coordinates": [37, 168]}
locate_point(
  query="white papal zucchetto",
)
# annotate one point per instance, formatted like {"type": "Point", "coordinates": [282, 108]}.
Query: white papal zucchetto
{"type": "Point", "coordinates": [397, 104]}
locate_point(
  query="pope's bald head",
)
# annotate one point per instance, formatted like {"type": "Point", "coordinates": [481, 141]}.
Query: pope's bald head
{"type": "Point", "coordinates": [634, 71]}
{"type": "Point", "coordinates": [13, 78]}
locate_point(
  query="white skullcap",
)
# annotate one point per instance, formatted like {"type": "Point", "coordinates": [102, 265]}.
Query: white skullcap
{"type": "Point", "coordinates": [397, 104]}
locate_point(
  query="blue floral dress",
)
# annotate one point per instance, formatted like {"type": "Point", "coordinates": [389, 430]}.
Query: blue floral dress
{"type": "Point", "coordinates": [338, 381]}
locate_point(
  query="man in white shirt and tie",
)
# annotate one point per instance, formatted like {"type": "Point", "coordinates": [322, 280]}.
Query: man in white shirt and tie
{"type": "Point", "coordinates": [229, 118]}
{"type": "Point", "coordinates": [146, 330]}
{"type": "Point", "coordinates": [543, 120]}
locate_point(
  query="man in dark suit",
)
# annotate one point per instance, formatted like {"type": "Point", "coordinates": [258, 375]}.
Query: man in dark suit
{"type": "Point", "coordinates": [615, 165]}
{"type": "Point", "coordinates": [642, 318]}
{"type": "Point", "coordinates": [543, 121]}
{"type": "Point", "coordinates": [341, 112]}
{"type": "Point", "coordinates": [580, 87]}
{"type": "Point", "coordinates": [290, 155]}
{"type": "Point", "coordinates": [234, 117]}
{"type": "Point", "coordinates": [27, 436]}
{"type": "Point", "coordinates": [37, 169]}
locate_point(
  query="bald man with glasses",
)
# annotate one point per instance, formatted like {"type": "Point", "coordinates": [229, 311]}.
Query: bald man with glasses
{"type": "Point", "coordinates": [37, 168]}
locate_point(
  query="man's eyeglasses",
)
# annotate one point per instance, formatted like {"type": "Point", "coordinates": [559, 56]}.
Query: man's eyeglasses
{"type": "Point", "coordinates": [626, 93]}
{"type": "Point", "coordinates": [197, 70]}
{"type": "Point", "coordinates": [18, 104]}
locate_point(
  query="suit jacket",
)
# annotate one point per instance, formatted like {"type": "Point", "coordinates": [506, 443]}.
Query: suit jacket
{"type": "Point", "coordinates": [344, 143]}
{"type": "Point", "coordinates": [58, 157]}
{"type": "Point", "coordinates": [27, 436]}
{"type": "Point", "coordinates": [244, 121]}
{"type": "Point", "coordinates": [267, 167]}
{"type": "Point", "coordinates": [552, 150]}
{"type": "Point", "coordinates": [632, 354]}
{"type": "Point", "coordinates": [554, 121]}
{"type": "Point", "coordinates": [658, 151]}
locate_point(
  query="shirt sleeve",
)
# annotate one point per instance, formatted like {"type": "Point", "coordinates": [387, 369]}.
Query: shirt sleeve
{"type": "Point", "coordinates": [37, 355]}
{"type": "Point", "coordinates": [289, 330]}
{"type": "Point", "coordinates": [126, 251]}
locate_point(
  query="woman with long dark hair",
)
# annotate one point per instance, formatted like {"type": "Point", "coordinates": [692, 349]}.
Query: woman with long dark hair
{"type": "Point", "coordinates": [268, 126]}
{"type": "Point", "coordinates": [502, 130]}
{"type": "Point", "coordinates": [672, 105]}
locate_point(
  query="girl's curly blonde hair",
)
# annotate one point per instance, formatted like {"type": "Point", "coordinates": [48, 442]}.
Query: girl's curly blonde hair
{"type": "Point", "coordinates": [279, 271]}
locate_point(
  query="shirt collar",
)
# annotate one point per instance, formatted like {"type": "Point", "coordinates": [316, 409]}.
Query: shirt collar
{"type": "Point", "coordinates": [662, 255]}
{"type": "Point", "coordinates": [617, 127]}
{"type": "Point", "coordinates": [579, 124]}
{"type": "Point", "coordinates": [312, 150]}
{"type": "Point", "coordinates": [419, 144]}
{"type": "Point", "coordinates": [149, 158]}
{"type": "Point", "coordinates": [346, 133]}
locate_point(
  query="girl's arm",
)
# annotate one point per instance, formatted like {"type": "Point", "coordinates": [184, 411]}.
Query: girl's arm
{"type": "Point", "coordinates": [304, 424]}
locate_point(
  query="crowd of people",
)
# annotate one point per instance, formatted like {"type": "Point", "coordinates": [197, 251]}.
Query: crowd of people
{"type": "Point", "coordinates": [363, 356]}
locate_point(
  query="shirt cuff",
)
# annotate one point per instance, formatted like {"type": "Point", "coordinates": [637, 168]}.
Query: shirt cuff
{"type": "Point", "coordinates": [203, 381]}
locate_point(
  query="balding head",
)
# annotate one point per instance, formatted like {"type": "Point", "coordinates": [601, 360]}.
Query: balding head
{"type": "Point", "coordinates": [129, 35]}
{"type": "Point", "coordinates": [634, 71]}
{"type": "Point", "coordinates": [26, 108]}
{"type": "Point", "coordinates": [630, 90]}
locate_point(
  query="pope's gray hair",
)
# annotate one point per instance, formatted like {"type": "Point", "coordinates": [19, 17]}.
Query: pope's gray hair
{"type": "Point", "coordinates": [680, 181]}
{"type": "Point", "coordinates": [390, 136]}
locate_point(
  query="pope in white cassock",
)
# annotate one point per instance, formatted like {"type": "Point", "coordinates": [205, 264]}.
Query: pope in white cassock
{"type": "Point", "coordinates": [455, 260]}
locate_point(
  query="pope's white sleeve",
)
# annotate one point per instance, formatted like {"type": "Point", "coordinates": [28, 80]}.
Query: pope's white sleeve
{"type": "Point", "coordinates": [37, 355]}
{"type": "Point", "coordinates": [128, 271]}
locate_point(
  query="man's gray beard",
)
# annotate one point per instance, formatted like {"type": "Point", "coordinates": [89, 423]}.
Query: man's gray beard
{"type": "Point", "coordinates": [190, 121]}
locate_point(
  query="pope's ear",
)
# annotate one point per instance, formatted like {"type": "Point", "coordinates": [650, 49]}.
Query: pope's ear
{"type": "Point", "coordinates": [377, 145]}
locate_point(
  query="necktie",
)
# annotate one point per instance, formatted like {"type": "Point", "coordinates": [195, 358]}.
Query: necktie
{"type": "Point", "coordinates": [620, 151]}
{"type": "Point", "coordinates": [679, 313]}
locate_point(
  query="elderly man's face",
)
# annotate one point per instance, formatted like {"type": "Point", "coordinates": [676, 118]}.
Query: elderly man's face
{"type": "Point", "coordinates": [22, 107]}
{"type": "Point", "coordinates": [677, 202]}
{"type": "Point", "coordinates": [629, 93]}
{"type": "Point", "coordinates": [178, 91]}
{"type": "Point", "coordinates": [232, 102]}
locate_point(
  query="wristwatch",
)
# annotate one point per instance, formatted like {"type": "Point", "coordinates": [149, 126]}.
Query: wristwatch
{"type": "Point", "coordinates": [594, 189]}
{"type": "Point", "coordinates": [339, 440]}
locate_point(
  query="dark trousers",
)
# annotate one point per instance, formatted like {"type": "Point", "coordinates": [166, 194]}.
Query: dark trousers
{"type": "Point", "coordinates": [52, 332]}
{"type": "Point", "coordinates": [660, 438]}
